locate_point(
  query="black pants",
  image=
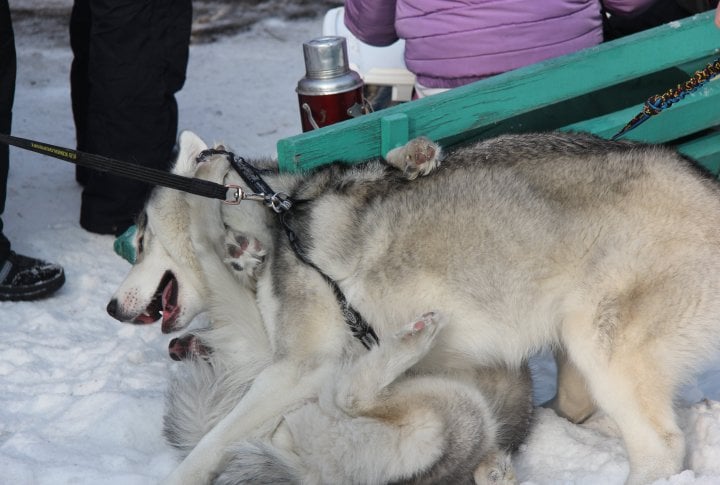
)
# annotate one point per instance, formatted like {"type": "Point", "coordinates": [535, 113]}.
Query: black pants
{"type": "Point", "coordinates": [130, 58]}
{"type": "Point", "coordinates": [7, 93]}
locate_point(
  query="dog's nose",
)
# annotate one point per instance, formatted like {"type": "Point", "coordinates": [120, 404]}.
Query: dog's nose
{"type": "Point", "coordinates": [175, 349]}
{"type": "Point", "coordinates": [112, 308]}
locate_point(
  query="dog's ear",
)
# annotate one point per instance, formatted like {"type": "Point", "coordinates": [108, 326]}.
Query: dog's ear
{"type": "Point", "coordinates": [189, 147]}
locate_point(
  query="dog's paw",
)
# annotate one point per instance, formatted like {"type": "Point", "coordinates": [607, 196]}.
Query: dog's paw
{"type": "Point", "coordinates": [420, 333]}
{"type": "Point", "coordinates": [495, 469]}
{"type": "Point", "coordinates": [244, 255]}
{"type": "Point", "coordinates": [188, 346]}
{"type": "Point", "coordinates": [419, 156]}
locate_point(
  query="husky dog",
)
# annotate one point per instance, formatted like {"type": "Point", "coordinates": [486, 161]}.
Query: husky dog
{"type": "Point", "coordinates": [466, 423]}
{"type": "Point", "coordinates": [605, 249]}
{"type": "Point", "coordinates": [375, 417]}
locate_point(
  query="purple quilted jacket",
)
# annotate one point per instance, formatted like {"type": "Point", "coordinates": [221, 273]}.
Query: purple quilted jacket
{"type": "Point", "coordinates": [449, 43]}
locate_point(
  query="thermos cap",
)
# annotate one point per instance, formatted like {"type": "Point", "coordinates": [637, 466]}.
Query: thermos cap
{"type": "Point", "coordinates": [327, 70]}
{"type": "Point", "coordinates": [325, 57]}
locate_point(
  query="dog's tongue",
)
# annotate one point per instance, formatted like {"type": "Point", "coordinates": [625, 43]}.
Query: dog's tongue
{"type": "Point", "coordinates": [145, 318]}
{"type": "Point", "coordinates": [170, 309]}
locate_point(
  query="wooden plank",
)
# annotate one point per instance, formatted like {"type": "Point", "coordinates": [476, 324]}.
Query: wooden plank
{"type": "Point", "coordinates": [394, 130]}
{"type": "Point", "coordinates": [705, 146]}
{"type": "Point", "coordinates": [469, 109]}
{"type": "Point", "coordinates": [706, 150]}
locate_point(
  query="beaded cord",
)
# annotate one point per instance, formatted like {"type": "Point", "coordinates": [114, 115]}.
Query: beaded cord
{"type": "Point", "coordinates": [657, 103]}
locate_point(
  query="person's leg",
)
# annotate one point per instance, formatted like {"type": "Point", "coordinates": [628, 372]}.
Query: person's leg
{"type": "Point", "coordinates": [7, 93]}
{"type": "Point", "coordinates": [21, 277]}
{"type": "Point", "coordinates": [79, 85]}
{"type": "Point", "coordinates": [137, 60]}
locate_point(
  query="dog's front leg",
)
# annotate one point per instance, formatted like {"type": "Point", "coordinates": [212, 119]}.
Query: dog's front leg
{"type": "Point", "coordinates": [277, 389]}
{"type": "Point", "coordinates": [419, 156]}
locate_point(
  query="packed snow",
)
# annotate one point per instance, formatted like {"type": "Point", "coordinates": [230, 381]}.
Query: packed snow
{"type": "Point", "coordinates": [81, 395]}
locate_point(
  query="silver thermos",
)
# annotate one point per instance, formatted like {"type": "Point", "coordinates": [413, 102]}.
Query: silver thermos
{"type": "Point", "coordinates": [330, 91]}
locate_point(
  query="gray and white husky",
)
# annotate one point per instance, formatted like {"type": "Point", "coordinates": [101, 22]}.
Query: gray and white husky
{"type": "Point", "coordinates": [376, 421]}
{"type": "Point", "coordinates": [373, 421]}
{"type": "Point", "coordinates": [607, 250]}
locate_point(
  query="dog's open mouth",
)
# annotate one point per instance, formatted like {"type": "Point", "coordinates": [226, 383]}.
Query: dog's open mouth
{"type": "Point", "coordinates": [163, 304]}
{"type": "Point", "coordinates": [170, 308]}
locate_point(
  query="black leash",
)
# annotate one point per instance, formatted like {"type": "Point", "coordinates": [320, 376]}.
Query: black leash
{"type": "Point", "coordinates": [204, 188]}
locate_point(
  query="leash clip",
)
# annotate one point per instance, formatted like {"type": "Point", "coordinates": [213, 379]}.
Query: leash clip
{"type": "Point", "coordinates": [279, 202]}
{"type": "Point", "coordinates": [235, 195]}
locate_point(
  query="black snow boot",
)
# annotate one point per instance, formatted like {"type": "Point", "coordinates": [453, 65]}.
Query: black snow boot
{"type": "Point", "coordinates": [24, 278]}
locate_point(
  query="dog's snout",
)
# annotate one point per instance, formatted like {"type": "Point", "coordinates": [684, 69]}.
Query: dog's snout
{"type": "Point", "coordinates": [112, 308]}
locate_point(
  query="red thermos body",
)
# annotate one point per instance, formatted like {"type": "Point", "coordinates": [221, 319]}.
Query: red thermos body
{"type": "Point", "coordinates": [330, 91]}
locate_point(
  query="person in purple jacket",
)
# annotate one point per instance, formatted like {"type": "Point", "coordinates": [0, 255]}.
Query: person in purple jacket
{"type": "Point", "coordinates": [449, 43]}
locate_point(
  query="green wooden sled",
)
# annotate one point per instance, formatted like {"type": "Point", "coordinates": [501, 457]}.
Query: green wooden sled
{"type": "Point", "coordinates": [596, 90]}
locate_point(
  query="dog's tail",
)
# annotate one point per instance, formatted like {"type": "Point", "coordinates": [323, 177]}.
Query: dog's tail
{"type": "Point", "coordinates": [199, 395]}
{"type": "Point", "coordinates": [261, 464]}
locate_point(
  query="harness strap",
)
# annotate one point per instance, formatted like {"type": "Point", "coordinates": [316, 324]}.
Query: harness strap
{"type": "Point", "coordinates": [281, 204]}
{"type": "Point", "coordinates": [360, 328]}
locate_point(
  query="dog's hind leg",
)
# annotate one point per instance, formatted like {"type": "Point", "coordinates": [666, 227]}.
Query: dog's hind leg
{"type": "Point", "coordinates": [572, 400]}
{"type": "Point", "coordinates": [424, 428]}
{"type": "Point", "coordinates": [642, 407]}
{"type": "Point", "coordinates": [495, 469]}
{"type": "Point", "coordinates": [419, 156]}
{"type": "Point", "coordinates": [357, 392]}
{"type": "Point", "coordinates": [633, 381]}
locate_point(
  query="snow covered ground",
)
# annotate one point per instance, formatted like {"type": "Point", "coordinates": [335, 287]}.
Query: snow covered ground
{"type": "Point", "coordinates": [81, 395]}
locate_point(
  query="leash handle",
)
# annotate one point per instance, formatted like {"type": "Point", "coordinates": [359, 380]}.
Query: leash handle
{"type": "Point", "coordinates": [43, 148]}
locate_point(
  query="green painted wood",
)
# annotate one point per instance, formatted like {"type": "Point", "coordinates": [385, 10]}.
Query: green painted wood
{"type": "Point", "coordinates": [394, 130]}
{"type": "Point", "coordinates": [704, 149]}
{"type": "Point", "coordinates": [480, 109]}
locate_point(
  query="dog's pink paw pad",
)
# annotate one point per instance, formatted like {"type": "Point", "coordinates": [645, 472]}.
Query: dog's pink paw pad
{"type": "Point", "coordinates": [186, 347]}
{"type": "Point", "coordinates": [237, 250]}
{"type": "Point", "coordinates": [417, 157]}
{"type": "Point", "coordinates": [426, 324]}
{"type": "Point", "coordinates": [245, 255]}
